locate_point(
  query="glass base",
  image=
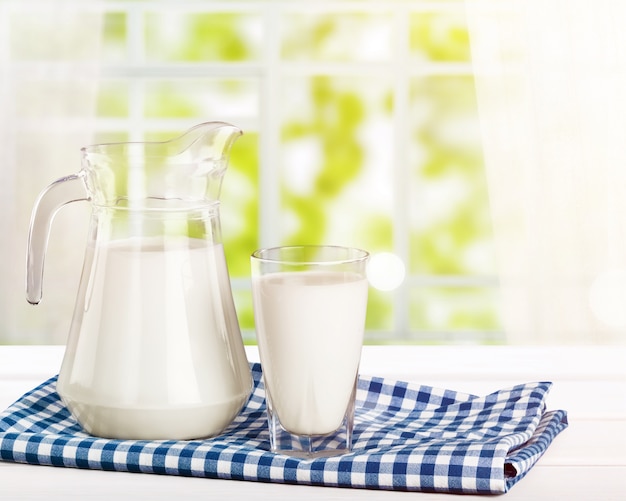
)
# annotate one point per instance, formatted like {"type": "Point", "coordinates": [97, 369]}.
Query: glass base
{"type": "Point", "coordinates": [335, 443]}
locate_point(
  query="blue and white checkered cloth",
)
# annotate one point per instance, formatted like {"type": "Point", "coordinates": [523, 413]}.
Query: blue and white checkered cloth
{"type": "Point", "coordinates": [406, 437]}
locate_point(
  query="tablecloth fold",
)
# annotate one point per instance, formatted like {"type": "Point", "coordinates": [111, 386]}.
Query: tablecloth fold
{"type": "Point", "coordinates": [406, 437]}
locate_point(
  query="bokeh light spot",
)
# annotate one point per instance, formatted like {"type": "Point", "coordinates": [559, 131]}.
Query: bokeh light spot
{"type": "Point", "coordinates": [385, 271]}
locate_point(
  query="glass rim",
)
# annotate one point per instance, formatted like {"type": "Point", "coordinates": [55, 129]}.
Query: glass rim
{"type": "Point", "coordinates": [355, 254]}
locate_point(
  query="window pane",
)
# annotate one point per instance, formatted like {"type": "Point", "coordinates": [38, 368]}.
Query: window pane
{"type": "Point", "coordinates": [203, 99]}
{"type": "Point", "coordinates": [239, 216]}
{"type": "Point", "coordinates": [113, 98]}
{"type": "Point", "coordinates": [354, 147]}
{"type": "Point", "coordinates": [114, 35]}
{"type": "Point", "coordinates": [439, 36]}
{"type": "Point", "coordinates": [202, 37]}
{"type": "Point", "coordinates": [380, 310]}
{"type": "Point", "coordinates": [337, 37]}
{"type": "Point", "coordinates": [455, 309]}
{"type": "Point", "coordinates": [245, 314]}
{"type": "Point", "coordinates": [26, 28]}
{"type": "Point", "coordinates": [450, 223]}
{"type": "Point", "coordinates": [336, 173]}
{"type": "Point", "coordinates": [239, 205]}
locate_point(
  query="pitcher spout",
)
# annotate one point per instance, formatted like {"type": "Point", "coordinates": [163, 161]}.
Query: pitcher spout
{"type": "Point", "coordinates": [207, 148]}
{"type": "Point", "coordinates": [208, 141]}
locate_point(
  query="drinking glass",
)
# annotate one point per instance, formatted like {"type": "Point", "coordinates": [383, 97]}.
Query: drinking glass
{"type": "Point", "coordinates": [309, 305]}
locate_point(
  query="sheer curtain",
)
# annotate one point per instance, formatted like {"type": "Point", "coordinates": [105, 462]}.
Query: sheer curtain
{"type": "Point", "coordinates": [551, 86]}
{"type": "Point", "coordinates": [48, 83]}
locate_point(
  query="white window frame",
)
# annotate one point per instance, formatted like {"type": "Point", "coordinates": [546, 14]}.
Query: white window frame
{"type": "Point", "coordinates": [268, 71]}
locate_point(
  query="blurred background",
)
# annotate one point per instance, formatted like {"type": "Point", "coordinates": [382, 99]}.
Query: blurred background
{"type": "Point", "coordinates": [360, 128]}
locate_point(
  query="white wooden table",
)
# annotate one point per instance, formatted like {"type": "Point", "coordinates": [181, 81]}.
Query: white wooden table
{"type": "Point", "coordinates": [586, 462]}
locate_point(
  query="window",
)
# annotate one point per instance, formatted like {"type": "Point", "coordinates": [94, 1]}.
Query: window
{"type": "Point", "coordinates": [360, 128]}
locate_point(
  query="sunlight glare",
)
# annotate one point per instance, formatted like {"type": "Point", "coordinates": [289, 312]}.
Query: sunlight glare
{"type": "Point", "coordinates": [385, 271]}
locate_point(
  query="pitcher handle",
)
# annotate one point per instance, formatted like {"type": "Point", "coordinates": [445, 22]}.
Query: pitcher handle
{"type": "Point", "coordinates": [51, 199]}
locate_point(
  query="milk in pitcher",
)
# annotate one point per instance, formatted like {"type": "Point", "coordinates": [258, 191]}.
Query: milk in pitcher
{"type": "Point", "coordinates": [153, 351]}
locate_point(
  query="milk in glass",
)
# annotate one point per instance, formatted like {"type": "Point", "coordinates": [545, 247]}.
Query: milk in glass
{"type": "Point", "coordinates": [310, 330]}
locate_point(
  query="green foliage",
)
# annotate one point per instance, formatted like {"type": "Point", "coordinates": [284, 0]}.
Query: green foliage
{"type": "Point", "coordinates": [240, 242]}
{"type": "Point", "coordinates": [201, 37]}
{"type": "Point", "coordinates": [336, 116]}
{"type": "Point", "coordinates": [216, 38]}
{"type": "Point", "coordinates": [439, 247]}
{"type": "Point", "coordinates": [166, 100]}
{"type": "Point", "coordinates": [309, 39]}
{"type": "Point", "coordinates": [439, 37]}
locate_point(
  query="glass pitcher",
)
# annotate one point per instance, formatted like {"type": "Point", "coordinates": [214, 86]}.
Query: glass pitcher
{"type": "Point", "coordinates": [154, 349]}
